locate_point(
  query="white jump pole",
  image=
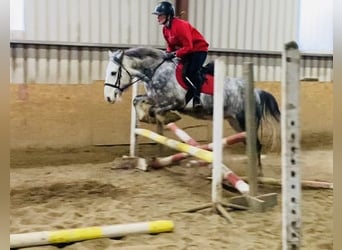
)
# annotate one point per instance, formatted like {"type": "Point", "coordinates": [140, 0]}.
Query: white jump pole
{"type": "Point", "coordinates": [290, 149]}
{"type": "Point", "coordinates": [216, 187]}
{"type": "Point", "coordinates": [132, 145]}
{"type": "Point", "coordinates": [87, 233]}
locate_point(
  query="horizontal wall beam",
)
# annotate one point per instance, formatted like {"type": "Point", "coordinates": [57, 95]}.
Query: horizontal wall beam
{"type": "Point", "coordinates": [28, 43]}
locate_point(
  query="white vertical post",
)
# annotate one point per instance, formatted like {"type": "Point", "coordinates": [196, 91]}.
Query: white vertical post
{"type": "Point", "coordinates": [217, 130]}
{"type": "Point", "coordinates": [133, 122]}
{"type": "Point", "coordinates": [290, 137]}
{"type": "Point", "coordinates": [250, 128]}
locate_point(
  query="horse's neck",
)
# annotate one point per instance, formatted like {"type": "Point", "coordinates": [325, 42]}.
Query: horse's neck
{"type": "Point", "coordinates": [163, 85]}
{"type": "Point", "coordinates": [154, 71]}
{"type": "Point", "coordinates": [159, 77]}
{"type": "Point", "coordinates": [164, 75]}
{"type": "Point", "coordinates": [143, 68]}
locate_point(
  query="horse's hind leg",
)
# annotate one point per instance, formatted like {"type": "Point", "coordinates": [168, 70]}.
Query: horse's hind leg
{"type": "Point", "coordinates": [259, 146]}
{"type": "Point", "coordinates": [258, 143]}
{"type": "Point", "coordinates": [238, 124]}
{"type": "Point", "coordinates": [233, 122]}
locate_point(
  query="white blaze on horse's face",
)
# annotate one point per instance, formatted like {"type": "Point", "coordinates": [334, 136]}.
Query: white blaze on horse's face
{"type": "Point", "coordinates": [112, 93]}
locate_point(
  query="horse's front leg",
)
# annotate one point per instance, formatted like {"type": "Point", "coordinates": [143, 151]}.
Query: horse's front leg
{"type": "Point", "coordinates": [142, 105]}
{"type": "Point", "coordinates": [164, 114]}
{"type": "Point", "coordinates": [150, 112]}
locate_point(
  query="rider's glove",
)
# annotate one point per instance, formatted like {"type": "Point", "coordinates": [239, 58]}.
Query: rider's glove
{"type": "Point", "coordinates": [169, 55]}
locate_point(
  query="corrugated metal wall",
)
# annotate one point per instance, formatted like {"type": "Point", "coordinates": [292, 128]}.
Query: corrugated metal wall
{"type": "Point", "coordinates": [91, 21]}
{"type": "Point", "coordinates": [246, 24]}
{"type": "Point", "coordinates": [66, 41]}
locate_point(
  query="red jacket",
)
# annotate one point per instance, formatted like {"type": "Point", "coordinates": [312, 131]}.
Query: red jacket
{"type": "Point", "coordinates": [183, 38]}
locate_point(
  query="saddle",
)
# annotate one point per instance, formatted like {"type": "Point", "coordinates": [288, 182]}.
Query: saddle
{"type": "Point", "coordinates": [208, 69]}
{"type": "Point", "coordinates": [207, 76]}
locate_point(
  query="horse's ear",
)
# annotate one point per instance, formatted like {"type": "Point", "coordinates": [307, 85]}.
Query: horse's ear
{"type": "Point", "coordinates": [110, 53]}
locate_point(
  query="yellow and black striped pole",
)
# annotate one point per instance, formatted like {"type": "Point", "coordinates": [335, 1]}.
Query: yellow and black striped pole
{"type": "Point", "coordinates": [87, 233]}
{"type": "Point", "coordinates": [195, 151]}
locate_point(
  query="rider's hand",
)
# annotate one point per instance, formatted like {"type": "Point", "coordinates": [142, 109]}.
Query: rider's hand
{"type": "Point", "coordinates": [169, 55]}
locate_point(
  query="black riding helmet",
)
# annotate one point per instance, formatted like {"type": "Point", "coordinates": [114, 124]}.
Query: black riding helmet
{"type": "Point", "coordinates": [164, 8]}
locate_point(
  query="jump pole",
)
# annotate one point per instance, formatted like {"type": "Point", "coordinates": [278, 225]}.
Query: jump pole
{"type": "Point", "coordinates": [87, 233]}
{"type": "Point", "coordinates": [202, 154]}
{"type": "Point", "coordinates": [290, 148]}
{"type": "Point", "coordinates": [133, 137]}
{"type": "Point", "coordinates": [185, 137]}
{"type": "Point", "coordinates": [228, 174]}
{"type": "Point", "coordinates": [159, 162]}
{"type": "Point", "coordinates": [174, 144]}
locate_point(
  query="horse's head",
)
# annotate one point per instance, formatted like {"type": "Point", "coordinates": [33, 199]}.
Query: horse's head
{"type": "Point", "coordinates": [128, 67]}
{"type": "Point", "coordinates": [113, 87]}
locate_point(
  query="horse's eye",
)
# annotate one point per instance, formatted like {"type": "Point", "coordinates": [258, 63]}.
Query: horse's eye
{"type": "Point", "coordinates": [113, 73]}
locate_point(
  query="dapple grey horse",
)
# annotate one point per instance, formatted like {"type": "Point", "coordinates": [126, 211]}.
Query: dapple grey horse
{"type": "Point", "coordinates": [164, 91]}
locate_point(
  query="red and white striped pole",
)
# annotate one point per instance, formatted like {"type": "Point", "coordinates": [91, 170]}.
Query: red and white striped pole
{"type": "Point", "coordinates": [159, 162]}
{"type": "Point", "coordinates": [181, 134]}
{"type": "Point", "coordinates": [229, 140]}
{"type": "Point", "coordinates": [228, 174]}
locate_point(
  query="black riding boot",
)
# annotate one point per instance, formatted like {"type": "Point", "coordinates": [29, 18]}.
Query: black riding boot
{"type": "Point", "coordinates": [196, 101]}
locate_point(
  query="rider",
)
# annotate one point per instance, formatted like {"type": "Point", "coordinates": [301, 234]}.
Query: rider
{"type": "Point", "coordinates": [187, 43]}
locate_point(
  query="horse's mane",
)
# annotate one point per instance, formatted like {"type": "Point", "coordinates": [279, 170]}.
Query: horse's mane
{"type": "Point", "coordinates": [143, 52]}
{"type": "Point", "coordinates": [145, 57]}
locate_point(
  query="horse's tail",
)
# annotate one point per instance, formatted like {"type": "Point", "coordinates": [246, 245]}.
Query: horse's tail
{"type": "Point", "coordinates": [269, 105]}
{"type": "Point", "coordinates": [269, 108]}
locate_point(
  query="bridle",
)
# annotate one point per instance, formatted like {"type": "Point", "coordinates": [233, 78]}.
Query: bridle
{"type": "Point", "coordinates": [117, 84]}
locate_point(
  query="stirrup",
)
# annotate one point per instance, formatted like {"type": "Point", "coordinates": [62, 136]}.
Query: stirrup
{"type": "Point", "coordinates": [197, 105]}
